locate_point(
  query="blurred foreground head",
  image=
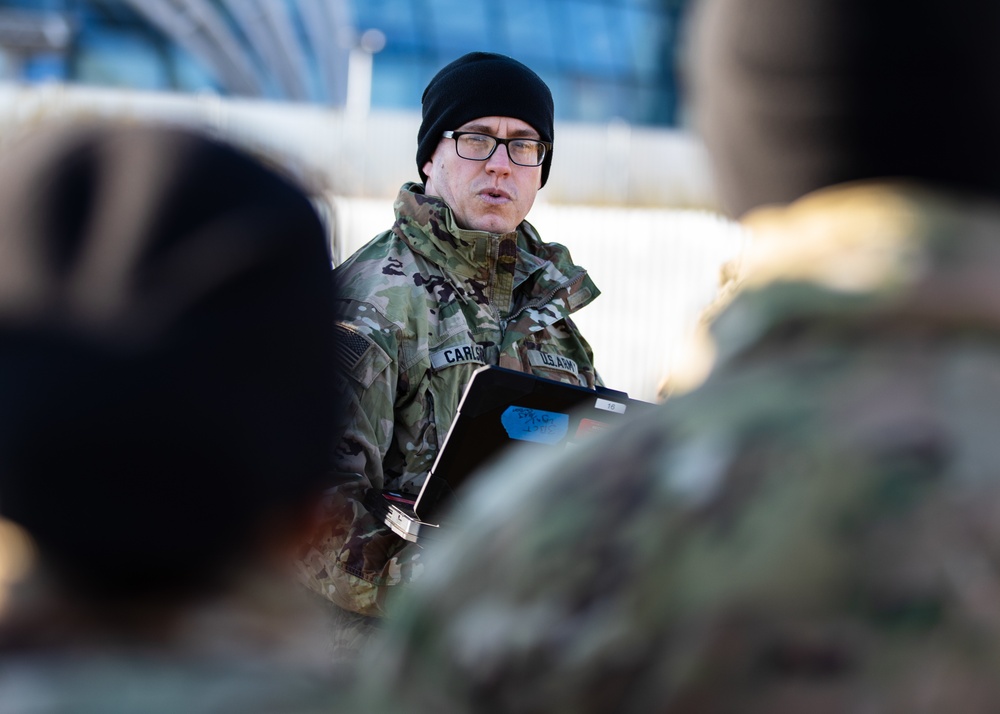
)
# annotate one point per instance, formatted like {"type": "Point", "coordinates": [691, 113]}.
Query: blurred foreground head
{"type": "Point", "coordinates": [795, 95]}
{"type": "Point", "coordinates": [164, 354]}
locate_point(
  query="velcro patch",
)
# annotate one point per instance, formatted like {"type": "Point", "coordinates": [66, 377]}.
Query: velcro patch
{"type": "Point", "coordinates": [359, 355]}
{"type": "Point", "coordinates": [547, 360]}
{"type": "Point", "coordinates": [458, 354]}
{"type": "Point", "coordinates": [351, 346]}
{"type": "Point", "coordinates": [579, 297]}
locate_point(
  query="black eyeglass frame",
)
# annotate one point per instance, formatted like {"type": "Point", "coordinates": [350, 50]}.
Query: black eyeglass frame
{"type": "Point", "coordinates": [456, 135]}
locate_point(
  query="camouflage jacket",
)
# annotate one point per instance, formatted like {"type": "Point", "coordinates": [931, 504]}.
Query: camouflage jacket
{"type": "Point", "coordinates": [816, 528]}
{"type": "Point", "coordinates": [261, 649]}
{"type": "Point", "coordinates": [422, 306]}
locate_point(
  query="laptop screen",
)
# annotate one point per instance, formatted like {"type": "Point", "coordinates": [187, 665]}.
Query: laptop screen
{"type": "Point", "coordinates": [501, 408]}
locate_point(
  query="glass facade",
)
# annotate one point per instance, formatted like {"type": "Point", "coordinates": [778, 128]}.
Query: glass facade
{"type": "Point", "coordinates": [97, 43]}
{"type": "Point", "coordinates": [603, 59]}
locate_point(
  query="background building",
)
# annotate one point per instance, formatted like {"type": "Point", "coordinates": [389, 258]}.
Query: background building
{"type": "Point", "coordinates": [603, 59]}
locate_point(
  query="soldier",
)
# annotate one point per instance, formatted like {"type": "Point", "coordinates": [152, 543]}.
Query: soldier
{"type": "Point", "coordinates": [459, 281]}
{"type": "Point", "coordinates": [817, 528]}
{"type": "Point", "coordinates": [164, 427]}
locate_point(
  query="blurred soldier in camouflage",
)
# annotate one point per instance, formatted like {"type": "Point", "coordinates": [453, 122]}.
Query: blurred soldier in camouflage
{"type": "Point", "coordinates": [459, 281]}
{"type": "Point", "coordinates": [165, 420]}
{"type": "Point", "coordinates": [817, 528]}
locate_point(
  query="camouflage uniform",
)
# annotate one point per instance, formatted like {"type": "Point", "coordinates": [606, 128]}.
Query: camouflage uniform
{"type": "Point", "coordinates": [815, 529]}
{"type": "Point", "coordinates": [422, 307]}
{"type": "Point", "coordinates": [260, 650]}
{"type": "Point", "coordinates": [149, 682]}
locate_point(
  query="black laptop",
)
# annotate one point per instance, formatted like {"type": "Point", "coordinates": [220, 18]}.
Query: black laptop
{"type": "Point", "coordinates": [500, 408]}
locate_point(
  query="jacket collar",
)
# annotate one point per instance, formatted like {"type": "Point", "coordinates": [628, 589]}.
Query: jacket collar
{"type": "Point", "coordinates": [427, 224]}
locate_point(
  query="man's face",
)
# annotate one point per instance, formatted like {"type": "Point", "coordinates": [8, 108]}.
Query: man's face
{"type": "Point", "coordinates": [492, 195]}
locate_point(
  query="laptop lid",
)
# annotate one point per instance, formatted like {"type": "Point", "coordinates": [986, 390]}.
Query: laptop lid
{"type": "Point", "coordinates": [502, 407]}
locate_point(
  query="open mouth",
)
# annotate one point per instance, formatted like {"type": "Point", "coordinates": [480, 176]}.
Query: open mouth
{"type": "Point", "coordinates": [495, 195]}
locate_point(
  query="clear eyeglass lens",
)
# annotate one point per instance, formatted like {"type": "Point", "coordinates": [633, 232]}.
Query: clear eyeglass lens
{"type": "Point", "coordinates": [475, 146]}
{"type": "Point", "coordinates": [525, 152]}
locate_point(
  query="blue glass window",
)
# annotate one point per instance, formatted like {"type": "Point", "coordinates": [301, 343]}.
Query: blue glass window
{"type": "Point", "coordinates": [121, 59]}
{"type": "Point", "coordinates": [44, 68]}
{"type": "Point", "coordinates": [396, 18]}
{"type": "Point", "coordinates": [591, 40]}
{"type": "Point", "coordinates": [646, 31]}
{"type": "Point", "coordinates": [460, 26]}
{"type": "Point", "coordinates": [529, 31]}
{"type": "Point", "coordinates": [398, 81]}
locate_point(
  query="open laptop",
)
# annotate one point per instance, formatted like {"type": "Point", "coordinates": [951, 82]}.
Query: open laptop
{"type": "Point", "coordinates": [500, 408]}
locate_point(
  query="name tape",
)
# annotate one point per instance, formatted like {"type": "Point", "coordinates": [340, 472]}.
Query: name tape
{"type": "Point", "coordinates": [460, 354]}
{"type": "Point", "coordinates": [537, 358]}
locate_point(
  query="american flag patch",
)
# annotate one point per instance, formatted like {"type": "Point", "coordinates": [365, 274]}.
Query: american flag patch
{"type": "Point", "coordinates": [351, 346]}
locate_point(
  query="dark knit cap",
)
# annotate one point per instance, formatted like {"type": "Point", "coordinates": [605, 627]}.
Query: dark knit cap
{"type": "Point", "coordinates": [166, 346]}
{"type": "Point", "coordinates": [483, 84]}
{"type": "Point", "coordinates": [791, 96]}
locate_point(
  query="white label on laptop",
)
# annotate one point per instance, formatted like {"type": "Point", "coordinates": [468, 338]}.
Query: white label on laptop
{"type": "Point", "coordinates": [459, 354]}
{"type": "Point", "coordinates": [537, 358]}
{"type": "Point", "coordinates": [610, 406]}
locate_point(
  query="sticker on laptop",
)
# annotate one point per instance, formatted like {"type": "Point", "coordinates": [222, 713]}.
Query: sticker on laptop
{"type": "Point", "coordinates": [588, 427]}
{"type": "Point", "coordinates": [610, 406]}
{"type": "Point", "coordinates": [536, 425]}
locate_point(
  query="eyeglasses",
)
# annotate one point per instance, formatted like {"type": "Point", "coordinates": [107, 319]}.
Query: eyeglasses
{"type": "Point", "coordinates": [479, 147]}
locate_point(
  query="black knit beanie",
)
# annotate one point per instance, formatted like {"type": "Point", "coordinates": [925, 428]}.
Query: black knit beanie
{"type": "Point", "coordinates": [483, 84]}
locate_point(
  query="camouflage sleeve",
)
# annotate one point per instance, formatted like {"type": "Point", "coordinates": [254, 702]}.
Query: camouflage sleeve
{"type": "Point", "coordinates": [353, 559]}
